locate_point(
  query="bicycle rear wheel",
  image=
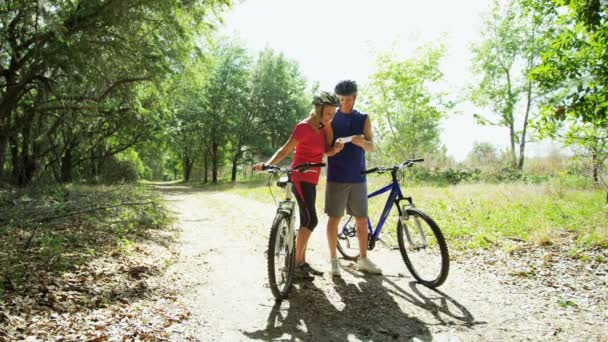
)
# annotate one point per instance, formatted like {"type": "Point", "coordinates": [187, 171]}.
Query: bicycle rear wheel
{"type": "Point", "coordinates": [348, 244]}
{"type": "Point", "coordinates": [423, 248]}
{"type": "Point", "coordinates": [281, 256]}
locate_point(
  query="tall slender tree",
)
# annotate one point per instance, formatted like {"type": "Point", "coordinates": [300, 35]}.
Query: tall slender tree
{"type": "Point", "coordinates": [503, 60]}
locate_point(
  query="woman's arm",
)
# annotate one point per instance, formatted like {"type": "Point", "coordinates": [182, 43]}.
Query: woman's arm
{"type": "Point", "coordinates": [329, 138]}
{"type": "Point", "coordinates": [280, 154]}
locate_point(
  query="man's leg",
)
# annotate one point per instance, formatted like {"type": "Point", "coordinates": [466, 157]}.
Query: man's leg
{"type": "Point", "coordinates": [357, 206]}
{"type": "Point", "coordinates": [362, 236]}
{"type": "Point", "coordinates": [332, 235]}
{"type": "Point", "coordinates": [332, 241]}
{"type": "Point", "coordinates": [335, 203]}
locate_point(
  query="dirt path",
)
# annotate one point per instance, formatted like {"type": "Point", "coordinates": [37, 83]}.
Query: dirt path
{"type": "Point", "coordinates": [222, 272]}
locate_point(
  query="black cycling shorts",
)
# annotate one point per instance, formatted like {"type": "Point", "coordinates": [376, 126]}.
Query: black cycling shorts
{"type": "Point", "coordinates": [306, 194]}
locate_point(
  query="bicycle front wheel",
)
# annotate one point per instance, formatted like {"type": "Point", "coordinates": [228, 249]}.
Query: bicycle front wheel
{"type": "Point", "coordinates": [281, 256]}
{"type": "Point", "coordinates": [423, 248]}
{"type": "Point", "coordinates": [348, 244]}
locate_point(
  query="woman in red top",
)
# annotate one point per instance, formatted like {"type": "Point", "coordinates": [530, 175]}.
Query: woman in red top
{"type": "Point", "coordinates": [309, 140]}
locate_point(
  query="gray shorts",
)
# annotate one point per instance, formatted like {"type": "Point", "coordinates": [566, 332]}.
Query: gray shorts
{"type": "Point", "coordinates": [349, 196]}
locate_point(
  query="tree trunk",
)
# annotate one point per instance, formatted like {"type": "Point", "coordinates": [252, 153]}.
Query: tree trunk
{"type": "Point", "coordinates": [187, 164]}
{"type": "Point", "coordinates": [508, 115]}
{"type": "Point", "coordinates": [235, 162]}
{"type": "Point", "coordinates": [23, 162]}
{"type": "Point", "coordinates": [15, 162]}
{"type": "Point", "coordinates": [512, 137]}
{"type": "Point", "coordinates": [214, 161]}
{"type": "Point", "coordinates": [66, 166]}
{"type": "Point", "coordinates": [3, 143]}
{"type": "Point", "coordinates": [8, 103]}
{"type": "Point", "coordinates": [595, 167]}
{"type": "Point", "coordinates": [93, 165]}
{"type": "Point", "coordinates": [206, 167]}
{"type": "Point", "coordinates": [522, 142]}
{"type": "Point", "coordinates": [28, 162]}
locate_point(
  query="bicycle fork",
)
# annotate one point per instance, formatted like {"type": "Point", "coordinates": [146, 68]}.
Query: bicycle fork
{"type": "Point", "coordinates": [405, 217]}
{"type": "Point", "coordinates": [288, 207]}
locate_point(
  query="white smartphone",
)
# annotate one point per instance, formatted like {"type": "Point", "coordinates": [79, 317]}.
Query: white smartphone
{"type": "Point", "coordinates": [345, 140]}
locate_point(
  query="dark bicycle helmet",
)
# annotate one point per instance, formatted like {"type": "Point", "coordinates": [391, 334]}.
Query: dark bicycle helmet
{"type": "Point", "coordinates": [327, 98]}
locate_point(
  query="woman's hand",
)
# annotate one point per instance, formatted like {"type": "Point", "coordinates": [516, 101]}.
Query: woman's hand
{"type": "Point", "coordinates": [338, 146]}
{"type": "Point", "coordinates": [259, 166]}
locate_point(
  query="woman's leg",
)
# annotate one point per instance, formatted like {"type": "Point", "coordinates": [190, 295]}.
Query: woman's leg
{"type": "Point", "coordinates": [301, 243]}
{"type": "Point", "coordinates": [306, 196]}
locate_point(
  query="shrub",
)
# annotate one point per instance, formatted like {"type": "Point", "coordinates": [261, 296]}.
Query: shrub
{"type": "Point", "coordinates": [123, 167]}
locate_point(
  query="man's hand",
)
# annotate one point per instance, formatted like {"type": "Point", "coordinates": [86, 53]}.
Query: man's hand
{"type": "Point", "coordinates": [359, 140]}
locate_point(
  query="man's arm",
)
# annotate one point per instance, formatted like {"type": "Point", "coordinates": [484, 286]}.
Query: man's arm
{"type": "Point", "coordinates": [365, 140]}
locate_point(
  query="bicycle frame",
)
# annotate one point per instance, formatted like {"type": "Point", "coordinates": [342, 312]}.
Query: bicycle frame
{"type": "Point", "coordinates": [395, 197]}
{"type": "Point", "coordinates": [287, 206]}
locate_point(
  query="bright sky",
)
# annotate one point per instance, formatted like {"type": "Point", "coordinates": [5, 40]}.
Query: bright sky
{"type": "Point", "coordinates": [338, 39]}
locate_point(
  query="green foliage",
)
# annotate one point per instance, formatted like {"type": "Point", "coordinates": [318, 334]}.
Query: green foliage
{"type": "Point", "coordinates": [116, 171]}
{"type": "Point", "coordinates": [229, 110]}
{"type": "Point", "coordinates": [78, 80]}
{"type": "Point", "coordinates": [278, 97]}
{"type": "Point", "coordinates": [458, 176]}
{"type": "Point", "coordinates": [483, 155]}
{"type": "Point", "coordinates": [404, 109]}
{"type": "Point", "coordinates": [573, 69]}
{"type": "Point", "coordinates": [444, 177]}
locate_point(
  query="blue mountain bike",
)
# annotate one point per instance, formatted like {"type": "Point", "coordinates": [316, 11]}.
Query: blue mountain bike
{"type": "Point", "coordinates": [420, 240]}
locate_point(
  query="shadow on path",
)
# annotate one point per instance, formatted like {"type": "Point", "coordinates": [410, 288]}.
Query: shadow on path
{"type": "Point", "coordinates": [366, 310]}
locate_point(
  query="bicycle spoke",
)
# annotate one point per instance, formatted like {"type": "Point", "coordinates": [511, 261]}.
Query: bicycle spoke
{"type": "Point", "coordinates": [348, 244]}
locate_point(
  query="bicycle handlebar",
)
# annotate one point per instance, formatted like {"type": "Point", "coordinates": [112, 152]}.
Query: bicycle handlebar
{"type": "Point", "coordinates": [382, 169]}
{"type": "Point", "coordinates": [297, 168]}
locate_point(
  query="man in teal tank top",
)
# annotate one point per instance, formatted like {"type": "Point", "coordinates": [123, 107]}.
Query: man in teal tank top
{"type": "Point", "coordinates": [346, 187]}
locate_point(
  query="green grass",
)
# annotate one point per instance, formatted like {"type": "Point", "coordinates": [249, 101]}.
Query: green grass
{"type": "Point", "coordinates": [486, 215]}
{"type": "Point", "coordinates": [483, 215]}
{"type": "Point", "coordinates": [566, 303]}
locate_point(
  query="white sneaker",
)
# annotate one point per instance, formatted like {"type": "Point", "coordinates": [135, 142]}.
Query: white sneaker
{"type": "Point", "coordinates": [366, 265]}
{"type": "Point", "coordinates": [334, 267]}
